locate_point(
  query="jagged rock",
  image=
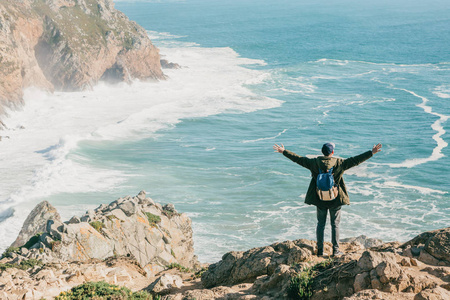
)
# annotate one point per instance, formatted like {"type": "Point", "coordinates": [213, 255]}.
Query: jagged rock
{"type": "Point", "coordinates": [165, 64]}
{"type": "Point", "coordinates": [437, 293]}
{"type": "Point", "coordinates": [388, 271]}
{"type": "Point", "coordinates": [128, 207]}
{"type": "Point", "coordinates": [371, 259]}
{"type": "Point", "coordinates": [277, 283]}
{"type": "Point", "coordinates": [160, 233]}
{"type": "Point", "coordinates": [74, 220]}
{"type": "Point", "coordinates": [378, 295]}
{"type": "Point", "coordinates": [45, 239]}
{"type": "Point", "coordinates": [432, 247]}
{"type": "Point", "coordinates": [220, 292]}
{"type": "Point", "coordinates": [439, 245]}
{"type": "Point", "coordinates": [121, 228]}
{"type": "Point", "coordinates": [55, 229]}
{"type": "Point", "coordinates": [36, 222]}
{"type": "Point", "coordinates": [362, 282]}
{"type": "Point", "coordinates": [236, 267]}
{"type": "Point", "coordinates": [141, 196]}
{"type": "Point", "coordinates": [50, 280]}
{"type": "Point", "coordinates": [364, 240]}
{"type": "Point", "coordinates": [165, 283]}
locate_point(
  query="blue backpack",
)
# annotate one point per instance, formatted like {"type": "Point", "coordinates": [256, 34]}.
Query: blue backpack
{"type": "Point", "coordinates": [326, 189]}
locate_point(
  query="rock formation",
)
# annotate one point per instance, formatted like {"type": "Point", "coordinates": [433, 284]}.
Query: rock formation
{"type": "Point", "coordinates": [418, 269]}
{"type": "Point", "coordinates": [36, 222]}
{"type": "Point", "coordinates": [154, 235]}
{"type": "Point", "coordinates": [69, 45]}
{"type": "Point", "coordinates": [142, 245]}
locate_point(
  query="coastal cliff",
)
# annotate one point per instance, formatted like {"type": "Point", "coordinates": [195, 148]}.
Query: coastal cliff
{"type": "Point", "coordinates": [69, 45]}
{"type": "Point", "coordinates": [134, 248]}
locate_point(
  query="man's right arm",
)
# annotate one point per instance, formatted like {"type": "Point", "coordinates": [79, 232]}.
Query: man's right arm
{"type": "Point", "coordinates": [301, 160]}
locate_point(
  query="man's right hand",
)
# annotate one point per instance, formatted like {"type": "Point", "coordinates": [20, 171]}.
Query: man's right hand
{"type": "Point", "coordinates": [278, 148]}
{"type": "Point", "coordinates": [376, 148]}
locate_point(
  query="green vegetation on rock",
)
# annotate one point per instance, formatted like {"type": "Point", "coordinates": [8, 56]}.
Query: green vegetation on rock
{"type": "Point", "coordinates": [153, 219]}
{"type": "Point", "coordinates": [111, 217]}
{"type": "Point", "coordinates": [10, 250]}
{"type": "Point", "coordinates": [97, 225]}
{"type": "Point", "coordinates": [301, 284]}
{"type": "Point", "coordinates": [24, 265]}
{"type": "Point", "coordinates": [179, 267]}
{"type": "Point", "coordinates": [199, 273]}
{"type": "Point", "coordinates": [31, 242]}
{"type": "Point", "coordinates": [103, 291]}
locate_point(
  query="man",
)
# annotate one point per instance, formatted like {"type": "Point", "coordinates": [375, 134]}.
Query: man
{"type": "Point", "coordinates": [325, 163]}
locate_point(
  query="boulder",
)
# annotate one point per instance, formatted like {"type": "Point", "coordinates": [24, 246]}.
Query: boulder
{"type": "Point", "coordinates": [439, 245]}
{"type": "Point", "coordinates": [165, 64]}
{"type": "Point", "coordinates": [370, 260]}
{"type": "Point", "coordinates": [436, 293]}
{"type": "Point", "coordinates": [362, 282]}
{"type": "Point", "coordinates": [432, 247]}
{"type": "Point", "coordinates": [164, 284]}
{"type": "Point", "coordinates": [36, 222]}
{"type": "Point", "coordinates": [238, 266]}
{"type": "Point", "coordinates": [74, 220]}
{"type": "Point", "coordinates": [364, 240]}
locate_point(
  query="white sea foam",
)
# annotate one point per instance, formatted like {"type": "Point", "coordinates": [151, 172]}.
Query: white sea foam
{"type": "Point", "coordinates": [422, 190]}
{"type": "Point", "coordinates": [436, 126]}
{"type": "Point", "coordinates": [336, 62]}
{"type": "Point", "coordinates": [363, 171]}
{"type": "Point", "coordinates": [345, 62]}
{"type": "Point", "coordinates": [35, 161]}
{"type": "Point", "coordinates": [266, 138]}
{"type": "Point", "coordinates": [442, 91]}
{"type": "Point", "coordinates": [280, 173]}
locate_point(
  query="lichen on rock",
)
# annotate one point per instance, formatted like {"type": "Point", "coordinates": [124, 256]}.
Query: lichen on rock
{"type": "Point", "coordinates": [118, 229]}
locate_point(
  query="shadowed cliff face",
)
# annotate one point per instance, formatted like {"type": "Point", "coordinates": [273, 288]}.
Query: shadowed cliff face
{"type": "Point", "coordinates": [69, 45]}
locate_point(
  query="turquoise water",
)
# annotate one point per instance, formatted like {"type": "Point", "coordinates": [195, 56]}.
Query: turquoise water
{"type": "Point", "coordinates": [318, 71]}
{"type": "Point", "coordinates": [348, 72]}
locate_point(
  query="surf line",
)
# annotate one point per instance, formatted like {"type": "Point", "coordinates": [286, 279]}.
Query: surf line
{"type": "Point", "coordinates": [263, 139]}
{"type": "Point", "coordinates": [436, 126]}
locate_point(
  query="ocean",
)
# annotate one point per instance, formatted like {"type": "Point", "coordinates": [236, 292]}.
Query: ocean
{"type": "Point", "coordinates": [253, 73]}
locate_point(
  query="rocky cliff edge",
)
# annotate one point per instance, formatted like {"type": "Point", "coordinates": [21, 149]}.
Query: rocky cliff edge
{"type": "Point", "coordinates": [69, 45]}
{"type": "Point", "coordinates": [139, 244]}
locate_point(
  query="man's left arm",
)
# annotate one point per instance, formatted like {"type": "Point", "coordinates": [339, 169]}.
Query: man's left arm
{"type": "Point", "coordinates": [356, 160]}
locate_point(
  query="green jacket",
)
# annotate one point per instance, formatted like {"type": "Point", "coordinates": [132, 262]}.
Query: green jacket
{"type": "Point", "coordinates": [339, 166]}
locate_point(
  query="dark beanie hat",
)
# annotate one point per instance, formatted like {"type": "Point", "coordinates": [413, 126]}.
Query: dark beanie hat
{"type": "Point", "coordinates": [327, 148]}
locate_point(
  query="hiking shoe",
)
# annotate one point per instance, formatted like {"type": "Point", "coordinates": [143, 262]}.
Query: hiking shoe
{"type": "Point", "coordinates": [337, 253]}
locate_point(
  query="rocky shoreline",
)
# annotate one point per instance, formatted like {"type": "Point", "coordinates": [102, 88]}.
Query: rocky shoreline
{"type": "Point", "coordinates": [69, 45]}
{"type": "Point", "coordinates": [136, 243]}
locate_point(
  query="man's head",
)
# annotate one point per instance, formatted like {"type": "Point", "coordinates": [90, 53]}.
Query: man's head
{"type": "Point", "coordinates": [328, 149]}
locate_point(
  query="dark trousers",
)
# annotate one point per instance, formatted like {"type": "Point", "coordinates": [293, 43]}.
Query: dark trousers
{"type": "Point", "coordinates": [335, 218]}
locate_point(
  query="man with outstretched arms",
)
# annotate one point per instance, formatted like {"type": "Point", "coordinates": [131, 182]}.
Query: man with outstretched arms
{"type": "Point", "coordinates": [327, 170]}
